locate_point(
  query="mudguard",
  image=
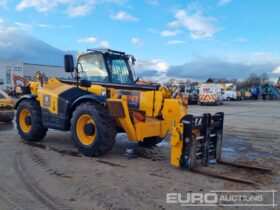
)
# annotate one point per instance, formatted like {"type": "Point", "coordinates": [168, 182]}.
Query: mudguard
{"type": "Point", "coordinates": [27, 96]}
{"type": "Point", "coordinates": [88, 97]}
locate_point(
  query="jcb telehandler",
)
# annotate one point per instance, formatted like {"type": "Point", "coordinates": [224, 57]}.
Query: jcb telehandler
{"type": "Point", "coordinates": [102, 99]}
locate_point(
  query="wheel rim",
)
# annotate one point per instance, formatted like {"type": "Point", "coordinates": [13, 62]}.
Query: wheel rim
{"type": "Point", "coordinates": [25, 120]}
{"type": "Point", "coordinates": [85, 129]}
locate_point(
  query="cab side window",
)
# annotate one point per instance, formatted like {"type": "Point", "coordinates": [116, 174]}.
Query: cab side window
{"type": "Point", "coordinates": [120, 71]}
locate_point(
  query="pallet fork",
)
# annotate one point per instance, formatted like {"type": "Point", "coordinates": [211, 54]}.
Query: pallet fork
{"type": "Point", "coordinates": [197, 141]}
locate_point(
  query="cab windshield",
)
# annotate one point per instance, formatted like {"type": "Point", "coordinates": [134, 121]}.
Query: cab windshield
{"type": "Point", "coordinates": [94, 68]}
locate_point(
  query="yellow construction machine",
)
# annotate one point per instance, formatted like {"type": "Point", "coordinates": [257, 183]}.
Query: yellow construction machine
{"type": "Point", "coordinates": [6, 107]}
{"type": "Point", "coordinates": [104, 99]}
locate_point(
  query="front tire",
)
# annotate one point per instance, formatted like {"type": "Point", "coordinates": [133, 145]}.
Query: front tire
{"type": "Point", "coordinates": [29, 121]}
{"type": "Point", "coordinates": [93, 129]}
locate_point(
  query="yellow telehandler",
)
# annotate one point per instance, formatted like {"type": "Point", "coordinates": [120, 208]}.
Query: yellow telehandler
{"type": "Point", "coordinates": [103, 99]}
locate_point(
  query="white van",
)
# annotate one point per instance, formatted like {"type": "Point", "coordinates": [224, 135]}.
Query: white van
{"type": "Point", "coordinates": [230, 92]}
{"type": "Point", "coordinates": [230, 95]}
{"type": "Point", "coordinates": [210, 94]}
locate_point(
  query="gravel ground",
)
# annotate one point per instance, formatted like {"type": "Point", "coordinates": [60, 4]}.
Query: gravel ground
{"type": "Point", "coordinates": [53, 175]}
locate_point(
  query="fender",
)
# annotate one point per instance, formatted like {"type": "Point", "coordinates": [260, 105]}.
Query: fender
{"type": "Point", "coordinates": [88, 97]}
{"type": "Point", "coordinates": [25, 97]}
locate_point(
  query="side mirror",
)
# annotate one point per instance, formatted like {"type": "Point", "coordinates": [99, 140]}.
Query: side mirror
{"type": "Point", "coordinates": [69, 63]}
{"type": "Point", "coordinates": [133, 60]}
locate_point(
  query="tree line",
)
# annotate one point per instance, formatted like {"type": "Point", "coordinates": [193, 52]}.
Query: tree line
{"type": "Point", "coordinates": [251, 80]}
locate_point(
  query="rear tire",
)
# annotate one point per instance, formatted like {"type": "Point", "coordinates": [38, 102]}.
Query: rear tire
{"type": "Point", "coordinates": [102, 136]}
{"type": "Point", "coordinates": [150, 141]}
{"type": "Point", "coordinates": [29, 121]}
{"type": "Point", "coordinates": [7, 118]}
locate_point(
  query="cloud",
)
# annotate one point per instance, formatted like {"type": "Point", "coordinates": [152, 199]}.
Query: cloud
{"type": "Point", "coordinates": [22, 47]}
{"type": "Point", "coordinates": [73, 8]}
{"type": "Point", "coordinates": [88, 40]}
{"type": "Point", "coordinates": [255, 58]}
{"type": "Point", "coordinates": [223, 2]}
{"type": "Point", "coordinates": [42, 25]}
{"type": "Point", "coordinates": [153, 69]}
{"type": "Point", "coordinates": [123, 16]}
{"type": "Point", "coordinates": [45, 26]}
{"type": "Point", "coordinates": [174, 24]}
{"type": "Point", "coordinates": [175, 42]}
{"type": "Point", "coordinates": [104, 44]}
{"type": "Point", "coordinates": [41, 6]}
{"type": "Point", "coordinates": [276, 70]}
{"type": "Point", "coordinates": [23, 26]}
{"type": "Point", "coordinates": [19, 26]}
{"type": "Point", "coordinates": [167, 33]}
{"type": "Point", "coordinates": [137, 42]}
{"type": "Point", "coordinates": [94, 40]}
{"type": "Point", "coordinates": [202, 68]}
{"type": "Point", "coordinates": [200, 26]}
{"type": "Point", "coordinates": [80, 10]}
{"type": "Point", "coordinates": [13, 27]}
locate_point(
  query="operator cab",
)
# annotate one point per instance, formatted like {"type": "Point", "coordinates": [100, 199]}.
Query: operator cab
{"type": "Point", "coordinates": [105, 66]}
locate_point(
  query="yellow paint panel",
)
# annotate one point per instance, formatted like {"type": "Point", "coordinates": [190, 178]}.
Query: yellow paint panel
{"type": "Point", "coordinates": [96, 89]}
{"type": "Point", "coordinates": [152, 127]}
{"type": "Point", "coordinates": [52, 89]}
{"type": "Point", "coordinates": [146, 102]}
{"type": "Point", "coordinates": [125, 122]}
{"type": "Point", "coordinates": [158, 103]}
{"type": "Point", "coordinates": [176, 143]}
{"type": "Point", "coordinates": [173, 110]}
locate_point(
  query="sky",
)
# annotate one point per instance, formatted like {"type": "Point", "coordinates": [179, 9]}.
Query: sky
{"type": "Point", "coordinates": [178, 38]}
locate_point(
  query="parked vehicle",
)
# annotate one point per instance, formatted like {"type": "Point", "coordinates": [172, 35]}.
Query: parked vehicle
{"type": "Point", "coordinates": [230, 92]}
{"type": "Point", "coordinates": [6, 107]}
{"type": "Point", "coordinates": [192, 91]}
{"type": "Point", "coordinates": [269, 92]}
{"type": "Point", "coordinates": [211, 94]}
{"type": "Point", "coordinates": [239, 95]}
{"type": "Point", "coordinates": [277, 86]}
{"type": "Point", "coordinates": [247, 94]}
{"type": "Point", "coordinates": [255, 91]}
